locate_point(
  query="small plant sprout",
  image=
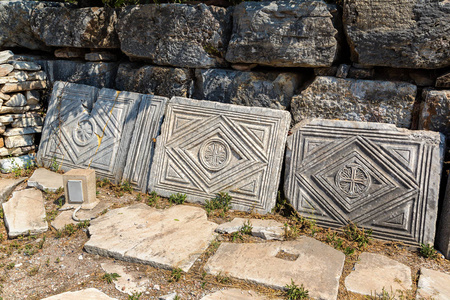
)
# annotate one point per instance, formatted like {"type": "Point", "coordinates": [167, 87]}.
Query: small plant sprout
{"type": "Point", "coordinates": [294, 292]}
{"type": "Point", "coordinates": [246, 228]}
{"type": "Point", "coordinates": [110, 277]}
{"type": "Point", "coordinates": [428, 251]}
{"type": "Point", "coordinates": [152, 198]}
{"type": "Point", "coordinates": [176, 275]}
{"type": "Point", "coordinates": [221, 201]}
{"type": "Point", "coordinates": [177, 198]}
{"type": "Point", "coordinates": [135, 296]}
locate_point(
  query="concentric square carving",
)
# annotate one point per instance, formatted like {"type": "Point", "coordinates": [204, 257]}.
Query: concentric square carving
{"type": "Point", "coordinates": [375, 175]}
{"type": "Point", "coordinates": [208, 147]}
{"type": "Point", "coordinates": [87, 127]}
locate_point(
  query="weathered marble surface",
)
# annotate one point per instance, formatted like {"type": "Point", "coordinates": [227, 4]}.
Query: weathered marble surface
{"type": "Point", "coordinates": [208, 147]}
{"type": "Point", "coordinates": [356, 100]}
{"type": "Point", "coordinates": [263, 89]}
{"type": "Point", "coordinates": [399, 34]}
{"type": "Point", "coordinates": [180, 35]}
{"type": "Point", "coordinates": [288, 33]}
{"type": "Point", "coordinates": [90, 27]}
{"type": "Point", "coordinates": [375, 175]}
{"type": "Point", "coordinates": [435, 111]}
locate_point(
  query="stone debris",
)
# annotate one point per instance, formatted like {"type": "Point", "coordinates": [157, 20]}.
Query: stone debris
{"type": "Point", "coordinates": [7, 186]}
{"type": "Point", "coordinates": [235, 294]}
{"type": "Point", "coordinates": [305, 261]}
{"type": "Point", "coordinates": [87, 294]}
{"type": "Point", "coordinates": [263, 89]}
{"type": "Point", "coordinates": [25, 213]}
{"type": "Point", "coordinates": [324, 158]}
{"type": "Point", "coordinates": [65, 217]}
{"type": "Point", "coordinates": [265, 229]}
{"type": "Point", "coordinates": [356, 100]}
{"type": "Point", "coordinates": [187, 36]}
{"type": "Point", "coordinates": [207, 147]}
{"type": "Point", "coordinates": [405, 37]}
{"type": "Point", "coordinates": [283, 34]}
{"type": "Point", "coordinates": [126, 283]}
{"type": "Point", "coordinates": [46, 180]}
{"type": "Point", "coordinates": [433, 285]}
{"type": "Point", "coordinates": [8, 165]}
{"type": "Point", "coordinates": [170, 238]}
{"type": "Point", "coordinates": [374, 274]}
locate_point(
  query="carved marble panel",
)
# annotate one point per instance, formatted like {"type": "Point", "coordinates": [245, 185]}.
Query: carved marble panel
{"type": "Point", "coordinates": [375, 175]}
{"type": "Point", "coordinates": [86, 127]}
{"type": "Point", "coordinates": [208, 147]}
{"type": "Point", "coordinates": [147, 127]}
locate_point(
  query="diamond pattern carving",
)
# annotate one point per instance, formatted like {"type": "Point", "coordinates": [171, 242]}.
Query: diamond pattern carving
{"type": "Point", "coordinates": [372, 174]}
{"type": "Point", "coordinates": [207, 147]}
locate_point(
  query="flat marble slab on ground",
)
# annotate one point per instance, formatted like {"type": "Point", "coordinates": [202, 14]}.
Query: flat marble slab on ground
{"type": "Point", "coordinates": [126, 283]}
{"type": "Point", "coordinates": [207, 147]}
{"type": "Point", "coordinates": [306, 261]}
{"type": "Point", "coordinates": [7, 186]}
{"type": "Point", "coordinates": [374, 273]}
{"type": "Point", "coordinates": [25, 213]}
{"type": "Point", "coordinates": [433, 285]}
{"type": "Point", "coordinates": [375, 175]}
{"type": "Point", "coordinates": [265, 229]}
{"type": "Point", "coordinates": [44, 179]}
{"type": "Point", "coordinates": [65, 217]}
{"type": "Point", "coordinates": [170, 238]}
{"type": "Point", "coordinates": [234, 294]}
{"type": "Point", "coordinates": [87, 294]}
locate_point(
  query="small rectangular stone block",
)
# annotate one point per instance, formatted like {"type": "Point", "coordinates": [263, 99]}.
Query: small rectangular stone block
{"type": "Point", "coordinates": [80, 186]}
{"type": "Point", "coordinates": [19, 141]}
{"type": "Point", "coordinates": [375, 175]}
{"type": "Point", "coordinates": [208, 147]}
{"type": "Point", "coordinates": [24, 86]}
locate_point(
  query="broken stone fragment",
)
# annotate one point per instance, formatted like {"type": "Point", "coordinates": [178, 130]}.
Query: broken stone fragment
{"type": "Point", "coordinates": [16, 100]}
{"type": "Point", "coordinates": [433, 285]}
{"type": "Point", "coordinates": [25, 213]}
{"type": "Point", "coordinates": [442, 81]}
{"type": "Point", "coordinates": [100, 56]}
{"type": "Point", "coordinates": [7, 186]}
{"type": "Point", "coordinates": [19, 110]}
{"type": "Point", "coordinates": [4, 96]}
{"type": "Point", "coordinates": [33, 97]}
{"type": "Point", "coordinates": [5, 69]}
{"type": "Point", "coordinates": [435, 111]}
{"type": "Point", "coordinates": [7, 79]}
{"type": "Point", "coordinates": [22, 131]}
{"type": "Point", "coordinates": [16, 151]}
{"type": "Point", "coordinates": [44, 179]}
{"type": "Point", "coordinates": [19, 141]}
{"type": "Point", "coordinates": [6, 56]}
{"type": "Point", "coordinates": [69, 53]}
{"type": "Point", "coordinates": [7, 165]}
{"type": "Point", "coordinates": [28, 122]}
{"type": "Point", "coordinates": [87, 294]}
{"type": "Point", "coordinates": [26, 66]}
{"type": "Point", "coordinates": [265, 229]}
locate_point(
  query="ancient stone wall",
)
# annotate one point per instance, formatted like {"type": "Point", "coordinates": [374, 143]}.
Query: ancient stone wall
{"type": "Point", "coordinates": [371, 61]}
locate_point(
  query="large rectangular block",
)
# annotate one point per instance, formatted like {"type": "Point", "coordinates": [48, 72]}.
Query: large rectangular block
{"type": "Point", "coordinates": [376, 175]}
{"type": "Point", "coordinates": [208, 147]}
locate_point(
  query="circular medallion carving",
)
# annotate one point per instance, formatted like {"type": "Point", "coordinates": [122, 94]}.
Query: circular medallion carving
{"type": "Point", "coordinates": [215, 154]}
{"type": "Point", "coordinates": [84, 132]}
{"type": "Point", "coordinates": [353, 180]}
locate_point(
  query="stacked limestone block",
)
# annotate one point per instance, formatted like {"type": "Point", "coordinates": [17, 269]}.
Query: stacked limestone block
{"type": "Point", "coordinates": [21, 115]}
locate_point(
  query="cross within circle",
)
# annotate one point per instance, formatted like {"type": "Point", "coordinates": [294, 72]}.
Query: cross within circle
{"type": "Point", "coordinates": [353, 180]}
{"type": "Point", "coordinates": [215, 154]}
{"type": "Point", "coordinates": [84, 132]}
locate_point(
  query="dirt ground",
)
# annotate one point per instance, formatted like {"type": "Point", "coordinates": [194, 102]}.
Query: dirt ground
{"type": "Point", "coordinates": [39, 266]}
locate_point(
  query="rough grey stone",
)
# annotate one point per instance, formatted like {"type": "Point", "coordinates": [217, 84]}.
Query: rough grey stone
{"type": "Point", "coordinates": [314, 264]}
{"type": "Point", "coordinates": [208, 147]}
{"type": "Point", "coordinates": [16, 100]}
{"type": "Point", "coordinates": [16, 152]}
{"type": "Point", "coordinates": [100, 56]}
{"type": "Point", "coordinates": [5, 69]}
{"type": "Point", "coordinates": [265, 229]}
{"type": "Point", "coordinates": [44, 179]}
{"type": "Point", "coordinates": [7, 79]}
{"type": "Point", "coordinates": [287, 33]}
{"type": "Point", "coordinates": [361, 73]}
{"type": "Point", "coordinates": [15, 24]}
{"type": "Point", "coordinates": [26, 66]}
{"type": "Point", "coordinates": [162, 81]}
{"type": "Point", "coordinates": [435, 111]}
{"type": "Point", "coordinates": [89, 73]}
{"type": "Point", "coordinates": [19, 110]}
{"type": "Point", "coordinates": [87, 294]}
{"type": "Point", "coordinates": [264, 89]}
{"type": "Point", "coordinates": [433, 285]}
{"type": "Point", "coordinates": [6, 119]}
{"type": "Point", "coordinates": [142, 145]}
{"type": "Point", "coordinates": [443, 236]}
{"type": "Point", "coordinates": [23, 86]}
{"type": "Point", "coordinates": [375, 175]}
{"type": "Point", "coordinates": [96, 130]}
{"type": "Point", "coordinates": [90, 27]}
{"type": "Point", "coordinates": [190, 36]}
{"type": "Point", "coordinates": [33, 97]}
{"type": "Point", "coordinates": [7, 165]}
{"type": "Point", "coordinates": [19, 141]}
{"type": "Point", "coordinates": [25, 213]}
{"type": "Point", "coordinates": [5, 56]}
{"type": "Point", "coordinates": [399, 34]}
{"type": "Point", "coordinates": [356, 100]}
{"type": "Point", "coordinates": [28, 122]}
{"type": "Point", "coordinates": [375, 273]}
{"type": "Point", "coordinates": [7, 186]}
{"type": "Point", "coordinates": [442, 81]}
{"type": "Point", "coordinates": [25, 75]}
{"type": "Point", "coordinates": [170, 238]}
{"type": "Point", "coordinates": [69, 52]}
{"type": "Point", "coordinates": [342, 71]}
{"type": "Point", "coordinates": [22, 131]}
{"type": "Point", "coordinates": [4, 97]}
